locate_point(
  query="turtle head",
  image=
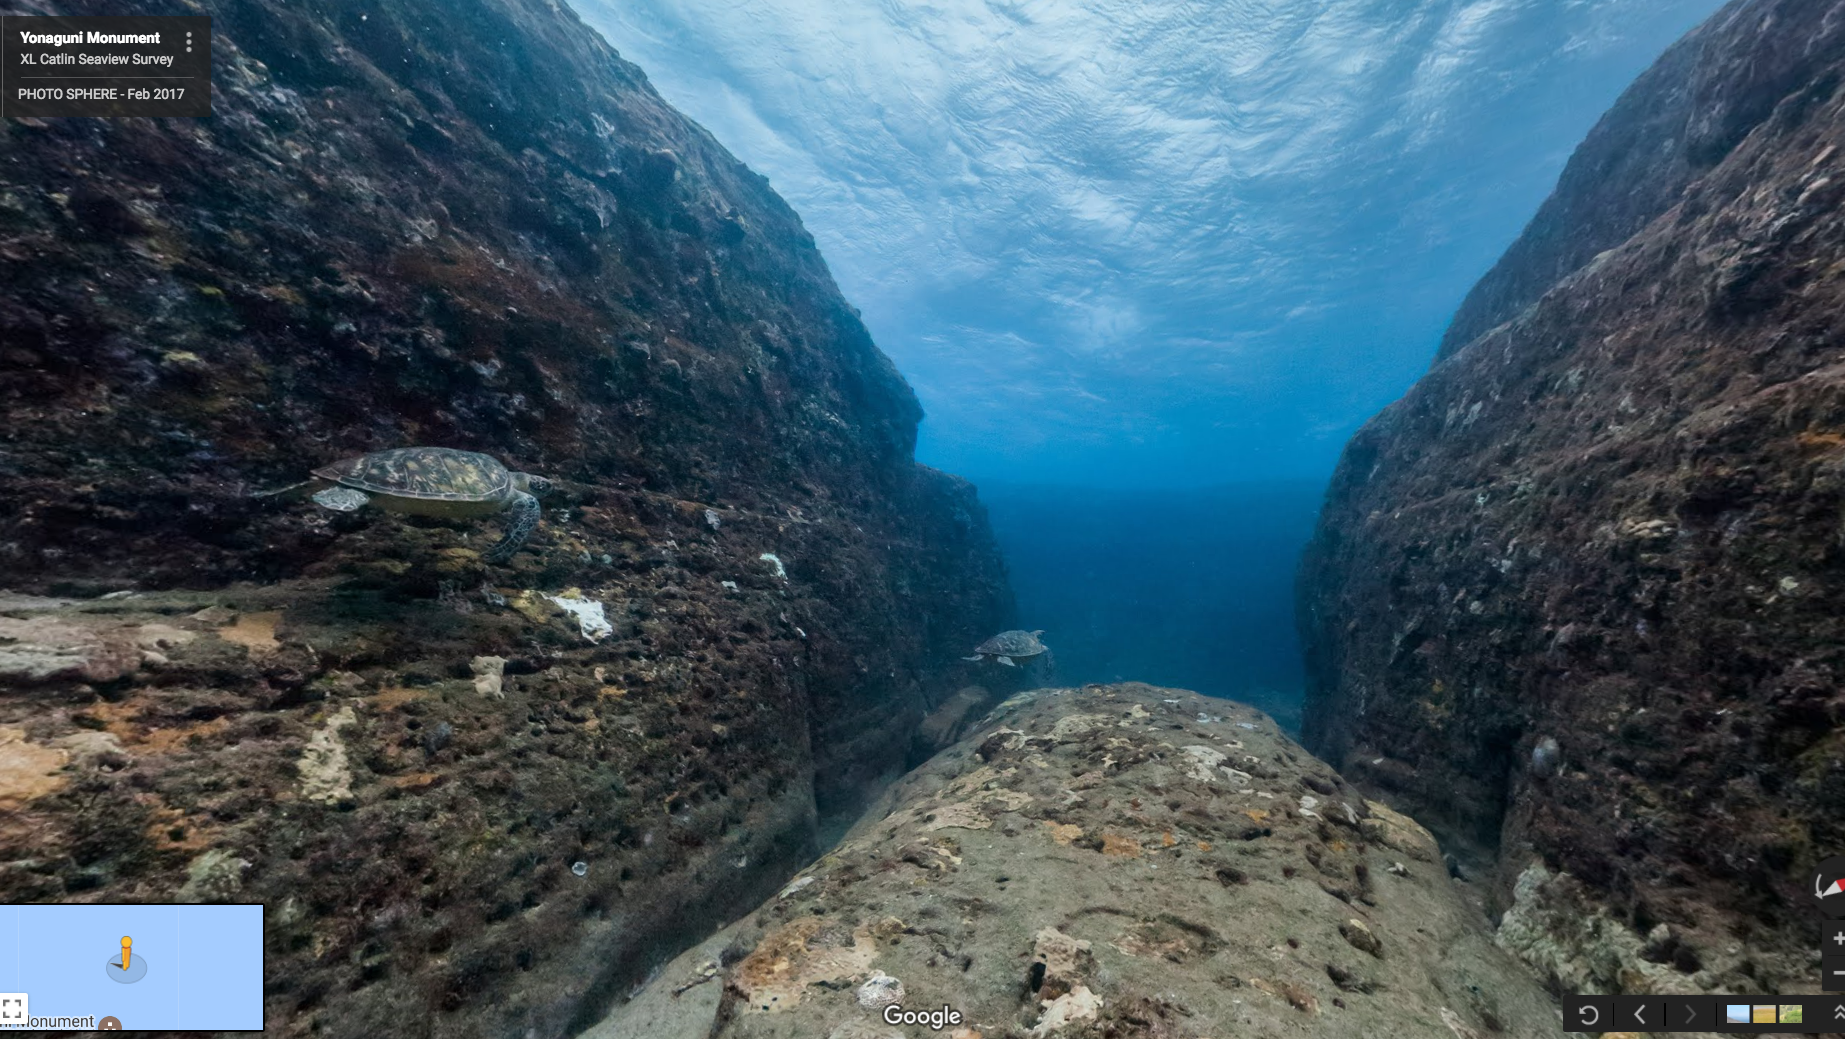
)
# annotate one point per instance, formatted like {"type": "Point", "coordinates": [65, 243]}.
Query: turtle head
{"type": "Point", "coordinates": [531, 484]}
{"type": "Point", "coordinates": [1037, 633]}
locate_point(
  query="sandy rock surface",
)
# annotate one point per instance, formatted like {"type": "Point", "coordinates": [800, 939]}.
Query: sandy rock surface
{"type": "Point", "coordinates": [1110, 861]}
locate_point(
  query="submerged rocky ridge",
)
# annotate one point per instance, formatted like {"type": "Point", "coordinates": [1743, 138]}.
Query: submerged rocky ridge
{"type": "Point", "coordinates": [1610, 518]}
{"type": "Point", "coordinates": [470, 225]}
{"type": "Point", "coordinates": [1122, 861]}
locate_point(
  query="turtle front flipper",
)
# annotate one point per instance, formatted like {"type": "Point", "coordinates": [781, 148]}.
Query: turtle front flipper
{"type": "Point", "coordinates": [290, 490]}
{"type": "Point", "coordinates": [521, 519]}
{"type": "Point", "coordinates": [341, 499]}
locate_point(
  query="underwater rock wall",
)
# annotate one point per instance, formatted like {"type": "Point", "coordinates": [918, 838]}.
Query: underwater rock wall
{"type": "Point", "coordinates": [467, 224]}
{"type": "Point", "coordinates": [1611, 517]}
{"type": "Point", "coordinates": [1676, 122]}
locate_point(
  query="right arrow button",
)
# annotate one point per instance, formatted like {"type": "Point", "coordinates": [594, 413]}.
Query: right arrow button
{"type": "Point", "coordinates": [1691, 1013]}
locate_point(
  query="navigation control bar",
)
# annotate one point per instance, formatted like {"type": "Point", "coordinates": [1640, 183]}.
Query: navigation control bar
{"type": "Point", "coordinates": [1741, 1015]}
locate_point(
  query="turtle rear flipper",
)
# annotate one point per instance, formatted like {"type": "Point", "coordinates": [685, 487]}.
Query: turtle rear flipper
{"type": "Point", "coordinates": [522, 518]}
{"type": "Point", "coordinates": [341, 499]}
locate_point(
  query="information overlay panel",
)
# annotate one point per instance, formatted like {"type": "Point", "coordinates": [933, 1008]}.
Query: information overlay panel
{"type": "Point", "coordinates": [131, 968]}
{"type": "Point", "coordinates": [147, 66]}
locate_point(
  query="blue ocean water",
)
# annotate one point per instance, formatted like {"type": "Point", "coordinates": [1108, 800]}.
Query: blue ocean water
{"type": "Point", "coordinates": [1139, 246]}
{"type": "Point", "coordinates": [1187, 588]}
{"type": "Point", "coordinates": [1123, 244]}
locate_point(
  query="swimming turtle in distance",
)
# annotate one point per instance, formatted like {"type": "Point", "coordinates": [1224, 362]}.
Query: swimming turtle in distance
{"type": "Point", "coordinates": [432, 481]}
{"type": "Point", "coordinates": [1009, 646]}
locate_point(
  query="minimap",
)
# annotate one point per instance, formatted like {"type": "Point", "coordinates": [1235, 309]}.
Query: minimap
{"type": "Point", "coordinates": [131, 967]}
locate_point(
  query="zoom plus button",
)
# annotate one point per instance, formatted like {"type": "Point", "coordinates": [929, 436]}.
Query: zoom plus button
{"type": "Point", "coordinates": [1588, 1013]}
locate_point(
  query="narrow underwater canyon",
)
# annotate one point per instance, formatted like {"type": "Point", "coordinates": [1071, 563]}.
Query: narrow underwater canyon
{"type": "Point", "coordinates": [1573, 603]}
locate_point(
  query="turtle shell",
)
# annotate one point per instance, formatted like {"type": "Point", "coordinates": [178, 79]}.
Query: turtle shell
{"type": "Point", "coordinates": [1013, 644]}
{"type": "Point", "coordinates": [423, 473]}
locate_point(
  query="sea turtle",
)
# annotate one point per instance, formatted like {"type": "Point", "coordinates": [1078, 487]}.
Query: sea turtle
{"type": "Point", "coordinates": [1008, 646]}
{"type": "Point", "coordinates": [432, 481]}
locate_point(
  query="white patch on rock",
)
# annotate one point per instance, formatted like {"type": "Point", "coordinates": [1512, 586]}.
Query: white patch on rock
{"type": "Point", "coordinates": [775, 561]}
{"type": "Point", "coordinates": [1571, 940]}
{"type": "Point", "coordinates": [1392, 829]}
{"type": "Point", "coordinates": [1453, 1021]}
{"type": "Point", "coordinates": [489, 675]}
{"type": "Point", "coordinates": [1204, 762]}
{"type": "Point", "coordinates": [1075, 726]}
{"type": "Point", "coordinates": [962, 814]}
{"type": "Point", "coordinates": [153, 638]}
{"type": "Point", "coordinates": [1360, 936]}
{"type": "Point", "coordinates": [1078, 1004]}
{"type": "Point", "coordinates": [592, 621]}
{"type": "Point", "coordinates": [85, 746]}
{"type": "Point", "coordinates": [796, 886]}
{"type": "Point", "coordinates": [1009, 739]}
{"type": "Point", "coordinates": [39, 649]}
{"type": "Point", "coordinates": [325, 775]}
{"type": "Point", "coordinates": [880, 991]}
{"type": "Point", "coordinates": [215, 876]}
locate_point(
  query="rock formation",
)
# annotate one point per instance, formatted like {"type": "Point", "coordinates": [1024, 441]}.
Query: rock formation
{"type": "Point", "coordinates": [1122, 861]}
{"type": "Point", "coordinates": [1577, 598]}
{"type": "Point", "coordinates": [466, 224]}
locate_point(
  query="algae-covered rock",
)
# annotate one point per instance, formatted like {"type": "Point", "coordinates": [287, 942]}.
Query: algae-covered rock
{"type": "Point", "coordinates": [466, 224]}
{"type": "Point", "coordinates": [1576, 597]}
{"type": "Point", "coordinates": [1091, 878]}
